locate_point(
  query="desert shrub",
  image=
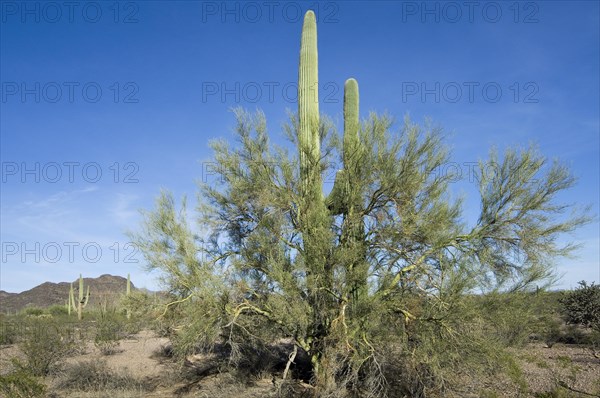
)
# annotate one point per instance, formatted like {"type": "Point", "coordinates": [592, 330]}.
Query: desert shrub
{"type": "Point", "coordinates": [132, 327]}
{"type": "Point", "coordinates": [574, 334]}
{"type": "Point", "coordinates": [107, 347]}
{"type": "Point", "coordinates": [44, 343]}
{"type": "Point", "coordinates": [190, 330]}
{"type": "Point", "coordinates": [582, 305]}
{"type": "Point", "coordinates": [9, 331]}
{"type": "Point", "coordinates": [34, 311]}
{"type": "Point", "coordinates": [550, 332]}
{"type": "Point", "coordinates": [428, 356]}
{"type": "Point", "coordinates": [108, 333]}
{"type": "Point", "coordinates": [94, 375]}
{"type": "Point", "coordinates": [150, 311]}
{"type": "Point", "coordinates": [21, 384]}
{"type": "Point", "coordinates": [513, 318]}
{"type": "Point", "coordinates": [434, 359]}
{"type": "Point", "coordinates": [140, 304]}
{"type": "Point", "coordinates": [57, 310]}
{"type": "Point", "coordinates": [162, 328]}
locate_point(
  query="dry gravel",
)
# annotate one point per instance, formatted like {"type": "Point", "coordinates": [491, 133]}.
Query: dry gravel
{"type": "Point", "coordinates": [543, 368]}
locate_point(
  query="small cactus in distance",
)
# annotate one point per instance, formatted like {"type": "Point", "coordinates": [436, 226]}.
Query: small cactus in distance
{"type": "Point", "coordinates": [83, 299]}
{"type": "Point", "coordinates": [71, 301]}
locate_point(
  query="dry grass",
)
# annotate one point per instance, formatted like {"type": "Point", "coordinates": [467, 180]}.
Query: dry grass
{"type": "Point", "coordinates": [143, 368]}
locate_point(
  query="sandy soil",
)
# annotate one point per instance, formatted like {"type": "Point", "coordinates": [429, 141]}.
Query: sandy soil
{"type": "Point", "coordinates": [134, 354]}
{"type": "Point", "coordinates": [575, 366]}
{"type": "Point", "coordinates": [542, 369]}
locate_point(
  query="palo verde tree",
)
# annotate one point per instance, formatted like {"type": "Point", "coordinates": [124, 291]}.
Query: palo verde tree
{"type": "Point", "coordinates": [384, 256]}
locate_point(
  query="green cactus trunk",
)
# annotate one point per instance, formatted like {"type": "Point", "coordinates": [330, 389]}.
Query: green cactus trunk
{"type": "Point", "coordinates": [346, 198]}
{"type": "Point", "coordinates": [353, 234]}
{"type": "Point", "coordinates": [83, 299]}
{"type": "Point", "coordinates": [338, 200]}
{"type": "Point", "coordinates": [71, 301]}
{"type": "Point", "coordinates": [314, 218]}
{"type": "Point", "coordinates": [351, 123]}
{"type": "Point", "coordinates": [315, 211]}
{"type": "Point", "coordinates": [308, 111]}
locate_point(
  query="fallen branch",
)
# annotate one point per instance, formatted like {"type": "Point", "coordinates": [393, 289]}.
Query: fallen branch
{"type": "Point", "coordinates": [565, 385]}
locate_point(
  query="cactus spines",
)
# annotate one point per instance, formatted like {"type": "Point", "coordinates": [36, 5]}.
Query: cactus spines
{"type": "Point", "coordinates": [351, 121]}
{"type": "Point", "coordinates": [349, 196]}
{"type": "Point", "coordinates": [83, 299]}
{"type": "Point", "coordinates": [338, 200]}
{"type": "Point", "coordinates": [352, 151]}
{"type": "Point", "coordinates": [308, 108]}
{"type": "Point", "coordinates": [345, 198]}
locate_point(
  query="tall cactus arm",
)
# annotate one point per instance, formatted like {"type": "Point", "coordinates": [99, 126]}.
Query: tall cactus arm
{"type": "Point", "coordinates": [337, 201]}
{"type": "Point", "coordinates": [308, 107]}
{"type": "Point", "coordinates": [83, 299]}
{"type": "Point", "coordinates": [351, 122]}
{"type": "Point", "coordinates": [72, 305]}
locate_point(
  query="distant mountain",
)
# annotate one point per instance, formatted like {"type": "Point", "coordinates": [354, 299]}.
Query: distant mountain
{"type": "Point", "coordinates": [106, 287]}
{"type": "Point", "coordinates": [4, 294]}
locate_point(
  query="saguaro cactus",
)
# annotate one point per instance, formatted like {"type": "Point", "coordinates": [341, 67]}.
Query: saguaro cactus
{"type": "Point", "coordinates": [70, 304]}
{"type": "Point", "coordinates": [308, 110]}
{"type": "Point", "coordinates": [354, 231]}
{"type": "Point", "coordinates": [339, 199]}
{"type": "Point", "coordinates": [352, 147]}
{"type": "Point", "coordinates": [313, 214]}
{"type": "Point", "coordinates": [83, 299]}
{"type": "Point", "coordinates": [316, 211]}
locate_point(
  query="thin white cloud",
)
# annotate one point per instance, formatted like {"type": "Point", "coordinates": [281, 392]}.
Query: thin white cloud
{"type": "Point", "coordinates": [124, 211]}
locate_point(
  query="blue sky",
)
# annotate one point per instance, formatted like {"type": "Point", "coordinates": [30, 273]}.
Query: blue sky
{"type": "Point", "coordinates": [105, 103]}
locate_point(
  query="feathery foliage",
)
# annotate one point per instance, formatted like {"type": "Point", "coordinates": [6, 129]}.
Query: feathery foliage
{"type": "Point", "coordinates": [376, 277]}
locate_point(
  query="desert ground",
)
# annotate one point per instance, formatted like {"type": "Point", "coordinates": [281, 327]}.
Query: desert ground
{"type": "Point", "coordinates": [563, 370]}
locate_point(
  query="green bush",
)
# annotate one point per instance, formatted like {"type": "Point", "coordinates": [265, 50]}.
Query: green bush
{"type": "Point", "coordinates": [582, 305]}
{"type": "Point", "coordinates": [8, 332]}
{"type": "Point", "coordinates": [551, 332]}
{"type": "Point", "coordinates": [139, 303]}
{"type": "Point", "coordinates": [133, 327]}
{"type": "Point", "coordinates": [44, 344]}
{"type": "Point", "coordinates": [35, 311]}
{"type": "Point", "coordinates": [513, 318]}
{"type": "Point", "coordinates": [57, 310]}
{"type": "Point", "coordinates": [21, 384]}
{"type": "Point", "coordinates": [574, 334]}
{"type": "Point", "coordinates": [110, 330]}
{"type": "Point", "coordinates": [95, 375]}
